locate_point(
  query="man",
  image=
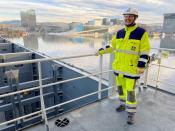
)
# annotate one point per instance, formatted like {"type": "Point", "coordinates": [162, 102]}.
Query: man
{"type": "Point", "coordinates": [131, 47]}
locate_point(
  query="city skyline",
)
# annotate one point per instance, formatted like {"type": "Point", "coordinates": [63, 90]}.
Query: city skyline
{"type": "Point", "coordinates": [84, 10]}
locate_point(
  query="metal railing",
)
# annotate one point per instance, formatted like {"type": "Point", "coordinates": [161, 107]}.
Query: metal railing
{"type": "Point", "coordinates": [41, 86]}
{"type": "Point", "coordinates": [159, 64]}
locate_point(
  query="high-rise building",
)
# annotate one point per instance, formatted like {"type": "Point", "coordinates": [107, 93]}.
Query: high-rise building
{"type": "Point", "coordinates": [169, 23]}
{"type": "Point", "coordinates": [113, 21]}
{"type": "Point", "coordinates": [106, 21]}
{"type": "Point", "coordinates": [28, 19]}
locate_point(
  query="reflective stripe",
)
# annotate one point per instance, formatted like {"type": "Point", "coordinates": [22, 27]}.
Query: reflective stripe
{"type": "Point", "coordinates": [120, 90]}
{"type": "Point", "coordinates": [144, 53]}
{"type": "Point", "coordinates": [144, 60]}
{"type": "Point", "coordinates": [131, 96]}
{"type": "Point", "coordinates": [131, 105]}
{"type": "Point", "coordinates": [126, 74]}
{"type": "Point", "coordinates": [131, 110]}
{"type": "Point", "coordinates": [127, 51]}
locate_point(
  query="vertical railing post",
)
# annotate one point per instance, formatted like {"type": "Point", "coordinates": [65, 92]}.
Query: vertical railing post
{"type": "Point", "coordinates": [146, 77]}
{"type": "Point", "coordinates": [44, 116]}
{"type": "Point", "coordinates": [111, 76]}
{"type": "Point", "coordinates": [100, 76]}
{"type": "Point", "coordinates": [159, 62]}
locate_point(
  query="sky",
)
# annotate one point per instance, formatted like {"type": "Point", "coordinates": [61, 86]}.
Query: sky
{"type": "Point", "coordinates": [150, 11]}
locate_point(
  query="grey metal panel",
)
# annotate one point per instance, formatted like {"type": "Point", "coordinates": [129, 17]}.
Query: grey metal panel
{"type": "Point", "coordinates": [2, 116]}
{"type": "Point", "coordinates": [79, 88]}
{"type": "Point", "coordinates": [5, 48]}
{"type": "Point", "coordinates": [2, 40]}
{"type": "Point", "coordinates": [25, 85]}
{"type": "Point", "coordinates": [30, 100]}
{"type": "Point", "coordinates": [47, 70]}
{"type": "Point", "coordinates": [24, 69]}
{"type": "Point", "coordinates": [17, 48]}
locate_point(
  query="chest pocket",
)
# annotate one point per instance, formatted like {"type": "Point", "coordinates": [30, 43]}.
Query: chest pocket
{"type": "Point", "coordinates": [133, 45]}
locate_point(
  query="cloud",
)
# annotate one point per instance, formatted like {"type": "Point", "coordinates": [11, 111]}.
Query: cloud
{"type": "Point", "coordinates": [84, 10]}
{"type": "Point", "coordinates": [159, 2]}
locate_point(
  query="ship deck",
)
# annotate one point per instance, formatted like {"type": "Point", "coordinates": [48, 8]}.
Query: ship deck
{"type": "Point", "coordinates": [155, 112]}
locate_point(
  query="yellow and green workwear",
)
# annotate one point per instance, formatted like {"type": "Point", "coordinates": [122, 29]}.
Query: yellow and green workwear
{"type": "Point", "coordinates": [131, 47]}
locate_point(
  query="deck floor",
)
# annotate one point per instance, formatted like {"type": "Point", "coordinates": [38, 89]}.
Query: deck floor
{"type": "Point", "coordinates": [155, 112]}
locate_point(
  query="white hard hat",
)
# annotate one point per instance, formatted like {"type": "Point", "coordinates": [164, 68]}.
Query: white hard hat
{"type": "Point", "coordinates": [131, 11]}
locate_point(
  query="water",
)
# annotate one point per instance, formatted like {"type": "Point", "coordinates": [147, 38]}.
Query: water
{"type": "Point", "coordinates": [64, 46]}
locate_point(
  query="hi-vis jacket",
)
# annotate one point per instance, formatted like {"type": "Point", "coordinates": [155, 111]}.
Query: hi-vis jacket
{"type": "Point", "coordinates": [131, 47]}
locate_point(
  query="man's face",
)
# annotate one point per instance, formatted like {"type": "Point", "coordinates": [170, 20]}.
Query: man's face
{"type": "Point", "coordinates": [129, 19]}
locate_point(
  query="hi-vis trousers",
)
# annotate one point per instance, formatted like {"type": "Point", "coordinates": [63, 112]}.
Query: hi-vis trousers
{"type": "Point", "coordinates": [127, 93]}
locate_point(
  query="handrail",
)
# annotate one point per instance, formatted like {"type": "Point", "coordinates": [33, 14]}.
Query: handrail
{"type": "Point", "coordinates": [59, 58]}
{"type": "Point", "coordinates": [164, 66]}
{"type": "Point", "coordinates": [43, 59]}
{"type": "Point", "coordinates": [165, 49]}
{"type": "Point", "coordinates": [163, 82]}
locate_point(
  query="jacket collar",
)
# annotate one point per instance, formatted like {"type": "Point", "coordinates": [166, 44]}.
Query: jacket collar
{"type": "Point", "coordinates": [130, 29]}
